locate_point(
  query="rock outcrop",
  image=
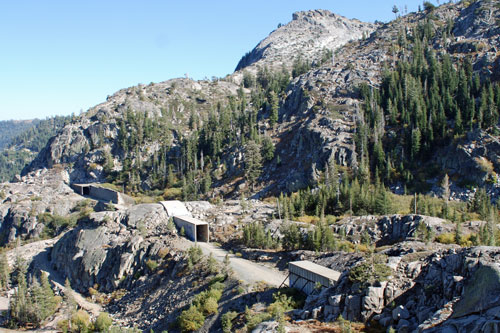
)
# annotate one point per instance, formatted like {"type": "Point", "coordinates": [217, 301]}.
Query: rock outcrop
{"type": "Point", "coordinates": [308, 35]}
{"type": "Point", "coordinates": [390, 229]}
{"type": "Point", "coordinates": [112, 247]}
{"type": "Point", "coordinates": [40, 192]}
{"type": "Point", "coordinates": [429, 289]}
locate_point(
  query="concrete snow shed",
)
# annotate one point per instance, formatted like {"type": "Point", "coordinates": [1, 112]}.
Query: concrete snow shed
{"type": "Point", "coordinates": [304, 275]}
{"type": "Point", "coordinates": [102, 193]}
{"type": "Point", "coordinates": [195, 229]}
{"type": "Point", "coordinates": [175, 208]}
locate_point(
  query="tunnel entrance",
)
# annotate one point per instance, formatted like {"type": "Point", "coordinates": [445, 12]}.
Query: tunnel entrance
{"type": "Point", "coordinates": [86, 190]}
{"type": "Point", "coordinates": [202, 233]}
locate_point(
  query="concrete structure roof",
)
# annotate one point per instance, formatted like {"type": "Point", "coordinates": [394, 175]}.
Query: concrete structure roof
{"type": "Point", "coordinates": [175, 208]}
{"type": "Point", "coordinates": [317, 269]}
{"type": "Point", "coordinates": [192, 220]}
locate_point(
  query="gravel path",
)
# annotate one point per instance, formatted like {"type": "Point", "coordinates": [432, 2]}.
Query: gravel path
{"type": "Point", "coordinates": [246, 270]}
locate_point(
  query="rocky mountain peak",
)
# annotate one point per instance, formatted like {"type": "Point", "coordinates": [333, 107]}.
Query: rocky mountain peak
{"type": "Point", "coordinates": [308, 35]}
{"type": "Point", "coordinates": [312, 14]}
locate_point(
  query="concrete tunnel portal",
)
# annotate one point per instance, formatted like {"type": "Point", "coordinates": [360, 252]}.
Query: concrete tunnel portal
{"type": "Point", "coordinates": [194, 229]}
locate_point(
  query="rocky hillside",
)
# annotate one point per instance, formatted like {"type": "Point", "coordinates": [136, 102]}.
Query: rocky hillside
{"type": "Point", "coordinates": [310, 36]}
{"type": "Point", "coordinates": [322, 113]}
{"type": "Point", "coordinates": [165, 109]}
{"type": "Point", "coordinates": [341, 148]}
{"type": "Point", "coordinates": [140, 133]}
{"type": "Point", "coordinates": [432, 291]}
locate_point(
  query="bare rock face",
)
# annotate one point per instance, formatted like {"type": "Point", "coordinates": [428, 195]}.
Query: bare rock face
{"type": "Point", "coordinates": [477, 21]}
{"type": "Point", "coordinates": [307, 35]}
{"type": "Point", "coordinates": [432, 290]}
{"type": "Point", "coordinates": [42, 191]}
{"type": "Point", "coordinates": [475, 159]}
{"type": "Point", "coordinates": [112, 247]}
{"type": "Point", "coordinates": [390, 229]}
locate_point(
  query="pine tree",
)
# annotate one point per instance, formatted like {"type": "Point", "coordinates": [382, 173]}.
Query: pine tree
{"type": "Point", "coordinates": [51, 302]}
{"type": "Point", "coordinates": [69, 299]}
{"type": "Point", "coordinates": [395, 10]}
{"type": "Point", "coordinates": [492, 226]}
{"type": "Point", "coordinates": [274, 103]}
{"type": "Point", "coordinates": [267, 148]}
{"type": "Point", "coordinates": [445, 186]}
{"type": "Point", "coordinates": [253, 163]}
{"type": "Point", "coordinates": [4, 270]}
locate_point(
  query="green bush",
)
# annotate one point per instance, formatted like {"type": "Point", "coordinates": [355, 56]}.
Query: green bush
{"type": "Point", "coordinates": [210, 306]}
{"type": "Point", "coordinates": [285, 300]}
{"type": "Point", "coordinates": [369, 272]}
{"type": "Point", "coordinates": [103, 322]}
{"type": "Point", "coordinates": [54, 224]}
{"type": "Point", "coordinates": [214, 293]}
{"type": "Point", "coordinates": [195, 253]}
{"type": "Point", "coordinates": [254, 319]}
{"type": "Point", "coordinates": [152, 265]}
{"type": "Point", "coordinates": [191, 319]}
{"type": "Point", "coordinates": [227, 321]}
{"type": "Point", "coordinates": [80, 321]}
{"type": "Point", "coordinates": [63, 325]}
{"type": "Point", "coordinates": [446, 238]}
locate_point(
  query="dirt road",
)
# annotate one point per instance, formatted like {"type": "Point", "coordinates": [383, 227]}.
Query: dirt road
{"type": "Point", "coordinates": [246, 270]}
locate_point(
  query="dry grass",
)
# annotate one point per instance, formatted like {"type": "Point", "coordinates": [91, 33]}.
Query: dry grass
{"type": "Point", "coordinates": [172, 193]}
{"type": "Point", "coordinates": [485, 165]}
{"type": "Point", "coordinates": [308, 219]}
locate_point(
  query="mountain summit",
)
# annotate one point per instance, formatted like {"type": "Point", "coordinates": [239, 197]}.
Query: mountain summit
{"type": "Point", "coordinates": [310, 35]}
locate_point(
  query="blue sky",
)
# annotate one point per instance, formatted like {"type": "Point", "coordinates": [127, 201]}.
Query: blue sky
{"type": "Point", "coordinates": [59, 57]}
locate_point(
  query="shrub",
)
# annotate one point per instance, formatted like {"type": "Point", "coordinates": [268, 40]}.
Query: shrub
{"type": "Point", "coordinates": [172, 193]}
{"type": "Point", "coordinates": [308, 219]}
{"type": "Point", "coordinates": [254, 319]}
{"type": "Point", "coordinates": [103, 322]}
{"type": "Point", "coordinates": [227, 321]}
{"type": "Point", "coordinates": [212, 266]}
{"type": "Point", "coordinates": [81, 321]}
{"type": "Point", "coordinates": [63, 325]}
{"type": "Point", "coordinates": [446, 238]}
{"type": "Point", "coordinates": [369, 272]}
{"type": "Point", "coordinates": [285, 300]}
{"type": "Point", "coordinates": [210, 306]}
{"type": "Point", "coordinates": [109, 207]}
{"type": "Point", "coordinates": [191, 319]}
{"type": "Point", "coordinates": [215, 293]}
{"type": "Point", "coordinates": [216, 282]}
{"type": "Point", "coordinates": [152, 265]}
{"type": "Point", "coordinates": [163, 252]}
{"type": "Point", "coordinates": [194, 253]}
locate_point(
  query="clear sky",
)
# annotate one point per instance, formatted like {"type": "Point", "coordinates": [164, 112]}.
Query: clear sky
{"type": "Point", "coordinates": [59, 57]}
